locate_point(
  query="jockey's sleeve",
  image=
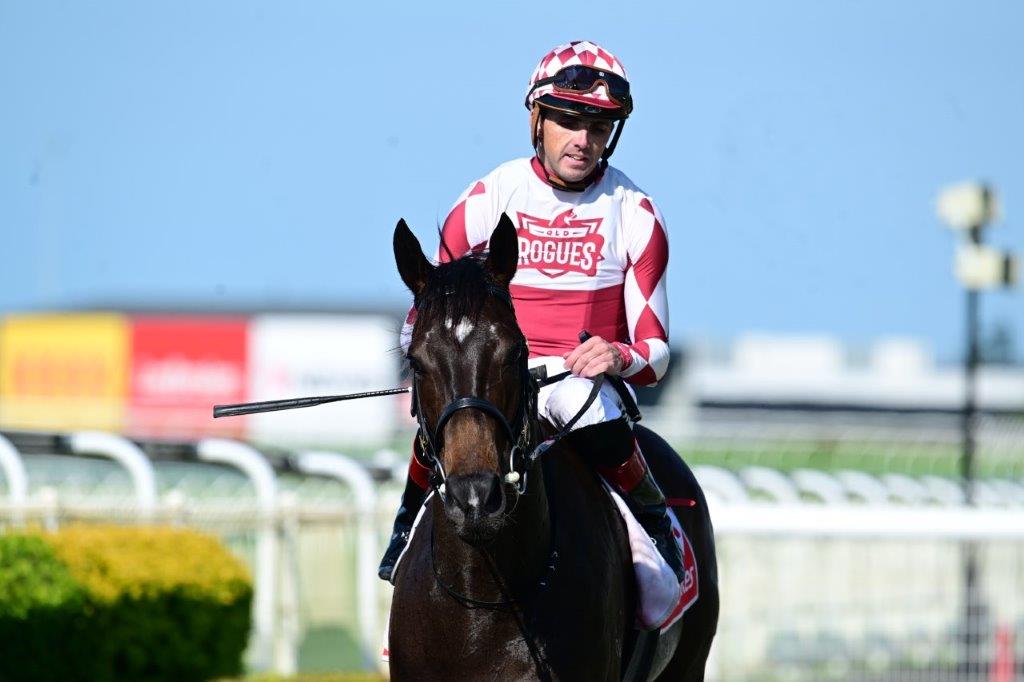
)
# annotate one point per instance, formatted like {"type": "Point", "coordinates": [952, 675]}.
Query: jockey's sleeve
{"type": "Point", "coordinates": [467, 228]}
{"type": "Point", "coordinates": [646, 299]}
{"type": "Point", "coordinates": [469, 224]}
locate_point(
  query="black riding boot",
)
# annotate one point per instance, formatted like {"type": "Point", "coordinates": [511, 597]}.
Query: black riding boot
{"type": "Point", "coordinates": [412, 500]}
{"type": "Point", "coordinates": [612, 447]}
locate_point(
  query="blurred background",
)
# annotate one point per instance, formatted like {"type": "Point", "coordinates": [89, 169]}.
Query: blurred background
{"type": "Point", "coordinates": [196, 207]}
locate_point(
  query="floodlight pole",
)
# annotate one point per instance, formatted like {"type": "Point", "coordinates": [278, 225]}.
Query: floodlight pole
{"type": "Point", "coordinates": [973, 608]}
{"type": "Point", "coordinates": [971, 359]}
{"type": "Point", "coordinates": [968, 208]}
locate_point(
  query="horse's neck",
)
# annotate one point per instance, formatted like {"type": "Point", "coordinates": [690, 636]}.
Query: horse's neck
{"type": "Point", "coordinates": [517, 557]}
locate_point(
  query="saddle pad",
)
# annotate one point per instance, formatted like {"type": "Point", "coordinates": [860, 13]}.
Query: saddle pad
{"type": "Point", "coordinates": [688, 589]}
{"type": "Point", "coordinates": [662, 599]}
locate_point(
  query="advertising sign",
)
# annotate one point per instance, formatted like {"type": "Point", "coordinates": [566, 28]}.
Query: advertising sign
{"type": "Point", "coordinates": [60, 372]}
{"type": "Point", "coordinates": [181, 367]}
{"type": "Point", "coordinates": [304, 355]}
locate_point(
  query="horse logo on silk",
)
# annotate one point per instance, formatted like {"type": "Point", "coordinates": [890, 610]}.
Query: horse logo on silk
{"type": "Point", "coordinates": [560, 245]}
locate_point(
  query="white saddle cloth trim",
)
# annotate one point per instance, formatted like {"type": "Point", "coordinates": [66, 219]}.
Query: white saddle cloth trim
{"type": "Point", "coordinates": [656, 584]}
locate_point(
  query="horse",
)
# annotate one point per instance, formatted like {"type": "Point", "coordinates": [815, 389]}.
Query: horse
{"type": "Point", "coordinates": [520, 567]}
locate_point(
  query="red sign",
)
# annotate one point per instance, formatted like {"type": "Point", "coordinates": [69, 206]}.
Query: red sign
{"type": "Point", "coordinates": [180, 368]}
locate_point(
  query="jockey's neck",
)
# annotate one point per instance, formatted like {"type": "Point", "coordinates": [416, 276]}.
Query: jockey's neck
{"type": "Point", "coordinates": [560, 184]}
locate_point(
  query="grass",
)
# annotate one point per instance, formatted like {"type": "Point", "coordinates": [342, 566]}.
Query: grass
{"type": "Point", "coordinates": [872, 458]}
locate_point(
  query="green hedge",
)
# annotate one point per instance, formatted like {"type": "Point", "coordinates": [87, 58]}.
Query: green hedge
{"type": "Point", "coordinates": [116, 603]}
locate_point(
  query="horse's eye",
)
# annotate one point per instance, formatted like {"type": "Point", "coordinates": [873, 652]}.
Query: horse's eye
{"type": "Point", "coordinates": [515, 356]}
{"type": "Point", "coordinates": [414, 365]}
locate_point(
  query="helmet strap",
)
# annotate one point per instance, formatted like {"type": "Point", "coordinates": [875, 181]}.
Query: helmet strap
{"type": "Point", "coordinates": [536, 121]}
{"type": "Point", "coordinates": [615, 140]}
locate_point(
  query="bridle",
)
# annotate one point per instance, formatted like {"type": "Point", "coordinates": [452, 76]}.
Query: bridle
{"type": "Point", "coordinates": [519, 430]}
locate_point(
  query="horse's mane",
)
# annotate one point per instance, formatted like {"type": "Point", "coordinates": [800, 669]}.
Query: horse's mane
{"type": "Point", "coordinates": [458, 289]}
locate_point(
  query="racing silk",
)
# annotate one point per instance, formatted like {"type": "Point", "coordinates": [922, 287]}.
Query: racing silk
{"type": "Point", "coordinates": [591, 260]}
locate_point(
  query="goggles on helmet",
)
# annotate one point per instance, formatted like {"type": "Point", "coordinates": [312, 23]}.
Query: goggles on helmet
{"type": "Point", "coordinates": [580, 80]}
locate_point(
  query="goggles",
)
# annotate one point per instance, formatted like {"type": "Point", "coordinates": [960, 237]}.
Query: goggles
{"type": "Point", "coordinates": [580, 80]}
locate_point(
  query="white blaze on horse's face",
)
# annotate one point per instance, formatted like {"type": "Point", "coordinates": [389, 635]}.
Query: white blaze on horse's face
{"type": "Point", "coordinates": [462, 330]}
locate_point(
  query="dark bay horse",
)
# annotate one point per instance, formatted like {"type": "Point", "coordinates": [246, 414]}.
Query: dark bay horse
{"type": "Point", "coordinates": [520, 568]}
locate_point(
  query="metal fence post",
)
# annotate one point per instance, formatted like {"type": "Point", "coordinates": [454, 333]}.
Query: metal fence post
{"type": "Point", "coordinates": [256, 467]}
{"type": "Point", "coordinates": [345, 469]}
{"type": "Point", "coordinates": [286, 641]}
{"type": "Point", "coordinates": [17, 480]}
{"type": "Point", "coordinates": [130, 456]}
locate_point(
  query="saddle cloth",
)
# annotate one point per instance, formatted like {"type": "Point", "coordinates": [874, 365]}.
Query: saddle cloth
{"type": "Point", "coordinates": [662, 600]}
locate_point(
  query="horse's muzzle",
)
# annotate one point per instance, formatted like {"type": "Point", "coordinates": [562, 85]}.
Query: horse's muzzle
{"type": "Point", "coordinates": [476, 505]}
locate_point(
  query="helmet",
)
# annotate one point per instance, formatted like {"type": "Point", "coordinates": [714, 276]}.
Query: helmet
{"type": "Point", "coordinates": [581, 78]}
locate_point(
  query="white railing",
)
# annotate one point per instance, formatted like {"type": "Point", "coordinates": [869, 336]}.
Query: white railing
{"type": "Point", "coordinates": [823, 576]}
{"type": "Point", "coordinates": [822, 593]}
{"type": "Point", "coordinates": [266, 528]}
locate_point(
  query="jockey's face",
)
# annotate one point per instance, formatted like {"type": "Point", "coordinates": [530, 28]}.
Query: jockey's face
{"type": "Point", "coordinates": [571, 146]}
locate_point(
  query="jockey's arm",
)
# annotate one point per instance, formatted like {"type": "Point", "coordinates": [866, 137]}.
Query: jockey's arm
{"type": "Point", "coordinates": [645, 360]}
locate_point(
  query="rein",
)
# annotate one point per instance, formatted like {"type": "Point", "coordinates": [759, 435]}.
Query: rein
{"type": "Point", "coordinates": [507, 604]}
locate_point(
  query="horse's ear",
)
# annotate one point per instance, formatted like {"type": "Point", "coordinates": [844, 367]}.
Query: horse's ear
{"type": "Point", "coordinates": [503, 255]}
{"type": "Point", "coordinates": [413, 266]}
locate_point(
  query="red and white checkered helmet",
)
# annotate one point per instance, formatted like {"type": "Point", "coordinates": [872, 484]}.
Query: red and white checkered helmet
{"type": "Point", "coordinates": [583, 78]}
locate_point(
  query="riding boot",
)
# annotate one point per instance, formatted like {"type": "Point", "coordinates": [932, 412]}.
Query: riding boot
{"type": "Point", "coordinates": [644, 498]}
{"type": "Point", "coordinates": [612, 447]}
{"type": "Point", "coordinates": [416, 485]}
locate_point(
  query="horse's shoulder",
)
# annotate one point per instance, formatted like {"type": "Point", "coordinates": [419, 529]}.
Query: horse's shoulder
{"type": "Point", "coordinates": [578, 498]}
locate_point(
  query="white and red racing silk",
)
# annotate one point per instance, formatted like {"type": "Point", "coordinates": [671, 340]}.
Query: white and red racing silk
{"type": "Point", "coordinates": [591, 260]}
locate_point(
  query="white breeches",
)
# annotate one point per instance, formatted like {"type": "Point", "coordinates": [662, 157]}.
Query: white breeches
{"type": "Point", "coordinates": [559, 402]}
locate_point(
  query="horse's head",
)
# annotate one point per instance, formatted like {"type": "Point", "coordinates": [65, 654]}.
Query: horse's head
{"type": "Point", "coordinates": [468, 358]}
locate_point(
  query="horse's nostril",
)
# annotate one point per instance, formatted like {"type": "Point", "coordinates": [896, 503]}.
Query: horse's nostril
{"type": "Point", "coordinates": [459, 493]}
{"type": "Point", "coordinates": [492, 503]}
{"type": "Point", "coordinates": [476, 494]}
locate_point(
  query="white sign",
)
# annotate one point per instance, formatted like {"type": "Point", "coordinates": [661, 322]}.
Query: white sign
{"type": "Point", "coordinates": [295, 356]}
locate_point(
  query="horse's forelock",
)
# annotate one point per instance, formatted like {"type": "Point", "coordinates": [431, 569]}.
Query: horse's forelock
{"type": "Point", "coordinates": [457, 289]}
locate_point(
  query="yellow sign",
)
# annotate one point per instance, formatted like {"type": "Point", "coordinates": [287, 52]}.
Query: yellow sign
{"type": "Point", "coordinates": [63, 371]}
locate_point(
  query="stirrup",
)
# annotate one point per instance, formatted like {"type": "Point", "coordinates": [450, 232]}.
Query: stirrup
{"type": "Point", "coordinates": [668, 548]}
{"type": "Point", "coordinates": [399, 539]}
{"type": "Point", "coordinates": [412, 499]}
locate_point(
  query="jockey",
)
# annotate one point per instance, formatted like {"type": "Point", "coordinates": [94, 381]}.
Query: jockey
{"type": "Point", "coordinates": [593, 252]}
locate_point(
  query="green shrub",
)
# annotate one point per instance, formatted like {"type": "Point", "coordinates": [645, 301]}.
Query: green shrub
{"type": "Point", "coordinates": [110, 603]}
{"type": "Point", "coordinates": [41, 608]}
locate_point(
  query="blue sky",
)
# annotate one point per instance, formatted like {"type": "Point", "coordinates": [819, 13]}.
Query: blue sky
{"type": "Point", "coordinates": [243, 153]}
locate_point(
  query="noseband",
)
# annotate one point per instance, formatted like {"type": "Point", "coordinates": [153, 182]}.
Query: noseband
{"type": "Point", "coordinates": [519, 431]}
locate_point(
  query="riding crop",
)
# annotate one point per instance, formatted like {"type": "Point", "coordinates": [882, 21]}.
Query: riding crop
{"type": "Point", "coordinates": [292, 403]}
